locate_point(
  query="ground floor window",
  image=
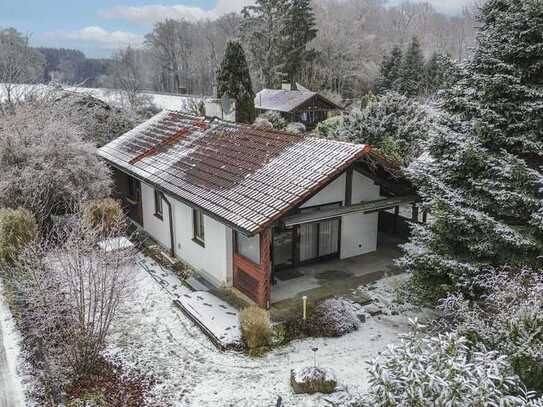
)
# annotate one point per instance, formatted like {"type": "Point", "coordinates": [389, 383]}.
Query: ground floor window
{"type": "Point", "coordinates": [158, 205]}
{"type": "Point", "coordinates": [133, 189]}
{"type": "Point", "coordinates": [198, 226]}
{"type": "Point", "coordinates": [248, 247]}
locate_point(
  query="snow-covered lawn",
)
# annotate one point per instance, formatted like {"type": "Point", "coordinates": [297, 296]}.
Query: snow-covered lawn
{"type": "Point", "coordinates": [156, 338]}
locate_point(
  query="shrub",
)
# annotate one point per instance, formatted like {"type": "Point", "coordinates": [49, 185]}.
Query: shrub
{"type": "Point", "coordinates": [256, 328]}
{"type": "Point", "coordinates": [508, 319]}
{"type": "Point", "coordinates": [275, 119]}
{"type": "Point", "coordinates": [17, 228]}
{"type": "Point", "coordinates": [105, 215]}
{"type": "Point", "coordinates": [46, 165]}
{"type": "Point", "coordinates": [393, 124]}
{"type": "Point", "coordinates": [261, 123]}
{"type": "Point", "coordinates": [312, 380]}
{"type": "Point", "coordinates": [333, 318]}
{"type": "Point", "coordinates": [297, 128]}
{"type": "Point", "coordinates": [442, 370]}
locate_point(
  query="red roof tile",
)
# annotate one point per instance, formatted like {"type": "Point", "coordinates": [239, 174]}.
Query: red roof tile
{"type": "Point", "coordinates": [244, 176]}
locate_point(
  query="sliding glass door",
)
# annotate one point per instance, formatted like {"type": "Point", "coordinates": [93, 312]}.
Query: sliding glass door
{"type": "Point", "coordinates": [319, 239]}
{"type": "Point", "coordinates": [306, 242]}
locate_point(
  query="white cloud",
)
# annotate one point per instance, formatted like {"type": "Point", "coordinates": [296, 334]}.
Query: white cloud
{"type": "Point", "coordinates": [99, 36]}
{"type": "Point", "coordinates": [150, 14]}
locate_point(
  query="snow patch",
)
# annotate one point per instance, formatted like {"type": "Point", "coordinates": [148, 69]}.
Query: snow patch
{"type": "Point", "coordinates": [11, 382]}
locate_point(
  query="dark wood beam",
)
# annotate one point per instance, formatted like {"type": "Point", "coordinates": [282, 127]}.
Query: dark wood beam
{"type": "Point", "coordinates": [364, 207]}
{"type": "Point", "coordinates": [349, 186]}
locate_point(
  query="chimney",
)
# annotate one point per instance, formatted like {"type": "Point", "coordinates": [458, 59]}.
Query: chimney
{"type": "Point", "coordinates": [286, 86]}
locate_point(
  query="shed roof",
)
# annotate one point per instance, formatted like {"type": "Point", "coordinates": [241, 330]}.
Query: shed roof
{"type": "Point", "coordinates": [286, 100]}
{"type": "Point", "coordinates": [243, 176]}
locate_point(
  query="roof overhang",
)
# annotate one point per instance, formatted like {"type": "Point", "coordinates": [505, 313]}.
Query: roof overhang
{"type": "Point", "coordinates": [363, 208]}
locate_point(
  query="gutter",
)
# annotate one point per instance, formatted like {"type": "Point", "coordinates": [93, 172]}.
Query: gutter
{"type": "Point", "coordinates": [170, 219]}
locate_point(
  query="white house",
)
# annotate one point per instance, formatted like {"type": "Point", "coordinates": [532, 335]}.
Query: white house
{"type": "Point", "coordinates": [239, 203]}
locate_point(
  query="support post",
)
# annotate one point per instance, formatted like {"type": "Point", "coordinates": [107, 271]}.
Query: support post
{"type": "Point", "coordinates": [415, 216]}
{"type": "Point", "coordinates": [396, 216]}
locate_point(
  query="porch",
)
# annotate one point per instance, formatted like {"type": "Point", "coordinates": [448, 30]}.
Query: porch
{"type": "Point", "coordinates": [334, 277]}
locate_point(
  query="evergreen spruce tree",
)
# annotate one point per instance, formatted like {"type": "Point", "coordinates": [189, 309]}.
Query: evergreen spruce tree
{"type": "Point", "coordinates": [481, 185]}
{"type": "Point", "coordinates": [390, 70]}
{"type": "Point", "coordinates": [299, 30]}
{"type": "Point", "coordinates": [262, 29]}
{"type": "Point", "coordinates": [438, 72]}
{"type": "Point", "coordinates": [410, 76]}
{"type": "Point", "coordinates": [234, 80]}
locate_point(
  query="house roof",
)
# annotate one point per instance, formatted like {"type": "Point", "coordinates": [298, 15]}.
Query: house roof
{"type": "Point", "coordinates": [243, 176]}
{"type": "Point", "coordinates": [286, 100]}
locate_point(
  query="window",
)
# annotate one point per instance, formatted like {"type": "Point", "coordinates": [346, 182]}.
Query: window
{"type": "Point", "coordinates": [198, 226]}
{"type": "Point", "coordinates": [133, 189]}
{"type": "Point", "coordinates": [158, 205]}
{"type": "Point", "coordinates": [248, 247]}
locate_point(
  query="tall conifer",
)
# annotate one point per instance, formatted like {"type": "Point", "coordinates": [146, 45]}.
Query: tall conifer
{"type": "Point", "coordinates": [483, 181]}
{"type": "Point", "coordinates": [234, 80]}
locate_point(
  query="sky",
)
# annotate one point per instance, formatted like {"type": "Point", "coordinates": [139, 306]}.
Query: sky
{"type": "Point", "coordinates": [99, 27]}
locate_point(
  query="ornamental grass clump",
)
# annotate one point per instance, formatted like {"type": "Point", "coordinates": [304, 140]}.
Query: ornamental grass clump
{"type": "Point", "coordinates": [106, 215]}
{"type": "Point", "coordinates": [256, 329]}
{"type": "Point", "coordinates": [17, 229]}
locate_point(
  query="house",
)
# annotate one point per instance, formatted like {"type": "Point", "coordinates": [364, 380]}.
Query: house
{"type": "Point", "coordinates": [240, 203]}
{"type": "Point", "coordinates": [301, 105]}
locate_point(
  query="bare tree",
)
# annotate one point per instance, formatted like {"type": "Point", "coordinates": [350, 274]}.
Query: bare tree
{"type": "Point", "coordinates": [96, 278]}
{"type": "Point", "coordinates": [19, 63]}
{"type": "Point", "coordinates": [126, 74]}
{"type": "Point", "coordinates": [70, 286]}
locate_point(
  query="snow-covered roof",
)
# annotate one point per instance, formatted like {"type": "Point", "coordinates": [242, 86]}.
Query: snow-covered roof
{"type": "Point", "coordinates": [282, 100]}
{"type": "Point", "coordinates": [243, 176]}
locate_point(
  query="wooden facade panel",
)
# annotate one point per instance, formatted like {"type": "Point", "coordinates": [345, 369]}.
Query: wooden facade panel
{"type": "Point", "coordinates": [254, 280]}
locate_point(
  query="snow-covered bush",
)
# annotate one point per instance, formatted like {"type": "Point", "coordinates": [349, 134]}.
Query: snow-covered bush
{"type": "Point", "coordinates": [275, 118]}
{"type": "Point", "coordinates": [17, 228]}
{"type": "Point", "coordinates": [256, 328]}
{"type": "Point", "coordinates": [310, 380]}
{"type": "Point", "coordinates": [442, 371]}
{"type": "Point", "coordinates": [508, 318]}
{"type": "Point", "coordinates": [297, 128]}
{"type": "Point", "coordinates": [261, 123]}
{"type": "Point", "coordinates": [98, 121]}
{"type": "Point", "coordinates": [332, 318]}
{"type": "Point", "coordinates": [103, 214]}
{"type": "Point", "coordinates": [395, 125]}
{"type": "Point", "coordinates": [46, 166]}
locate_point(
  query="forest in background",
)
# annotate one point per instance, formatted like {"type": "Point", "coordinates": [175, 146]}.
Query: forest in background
{"type": "Point", "coordinates": [350, 40]}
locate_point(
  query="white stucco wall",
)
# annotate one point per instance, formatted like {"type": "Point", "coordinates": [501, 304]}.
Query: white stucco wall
{"type": "Point", "coordinates": [158, 229]}
{"type": "Point", "coordinates": [358, 231]}
{"type": "Point", "coordinates": [334, 192]}
{"type": "Point", "coordinates": [214, 261]}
